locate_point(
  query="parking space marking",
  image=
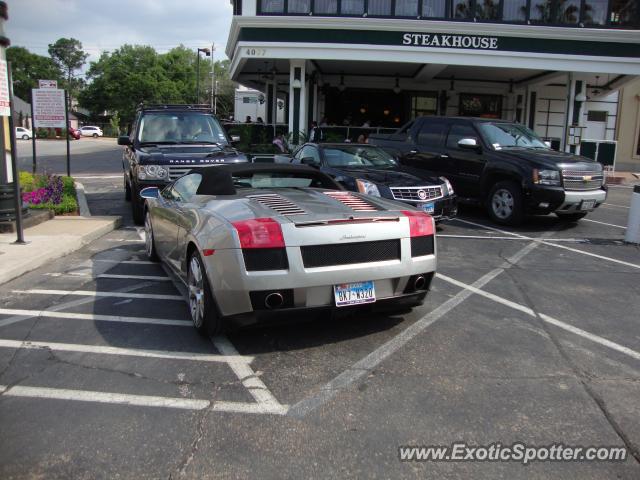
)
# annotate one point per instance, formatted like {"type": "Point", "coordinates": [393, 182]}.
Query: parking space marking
{"type": "Point", "coordinates": [128, 262]}
{"type": "Point", "coordinates": [490, 237]}
{"type": "Point", "coordinates": [91, 316]}
{"type": "Point", "coordinates": [248, 377]}
{"type": "Point", "coordinates": [127, 352]}
{"type": "Point", "coordinates": [155, 278]}
{"type": "Point", "coordinates": [546, 318]}
{"type": "Point", "coordinates": [614, 205]}
{"type": "Point", "coordinates": [550, 244]}
{"type": "Point", "coordinates": [91, 293]}
{"type": "Point", "coordinates": [366, 364]}
{"type": "Point", "coordinates": [134, 400]}
{"type": "Point", "coordinates": [96, 177]}
{"type": "Point", "coordinates": [603, 223]}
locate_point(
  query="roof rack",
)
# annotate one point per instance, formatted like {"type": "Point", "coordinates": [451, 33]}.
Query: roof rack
{"type": "Point", "coordinates": [168, 106]}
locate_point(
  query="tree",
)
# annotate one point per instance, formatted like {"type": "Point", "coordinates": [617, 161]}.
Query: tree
{"type": "Point", "coordinates": [67, 53]}
{"type": "Point", "coordinates": [27, 68]}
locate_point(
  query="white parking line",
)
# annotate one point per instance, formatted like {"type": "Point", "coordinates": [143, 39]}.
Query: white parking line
{"type": "Point", "coordinates": [134, 400]}
{"type": "Point", "coordinates": [614, 205]}
{"type": "Point", "coordinates": [156, 278]}
{"type": "Point", "coordinates": [550, 244]}
{"type": "Point", "coordinates": [490, 237]}
{"type": "Point", "coordinates": [248, 377]}
{"type": "Point", "coordinates": [91, 293]}
{"type": "Point", "coordinates": [128, 262]}
{"type": "Point", "coordinates": [548, 319]}
{"type": "Point", "coordinates": [128, 352]}
{"type": "Point", "coordinates": [603, 223]}
{"type": "Point", "coordinates": [91, 316]}
{"type": "Point", "coordinates": [96, 177]}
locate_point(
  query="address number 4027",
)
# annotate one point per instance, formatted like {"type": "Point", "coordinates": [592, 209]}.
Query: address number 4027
{"type": "Point", "coordinates": [256, 52]}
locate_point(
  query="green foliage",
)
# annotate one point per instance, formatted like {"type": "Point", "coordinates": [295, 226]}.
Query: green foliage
{"type": "Point", "coordinates": [69, 204]}
{"type": "Point", "coordinates": [67, 53]}
{"type": "Point", "coordinates": [45, 133]}
{"type": "Point", "coordinates": [114, 125]}
{"type": "Point", "coordinates": [27, 68]}
{"type": "Point", "coordinates": [26, 181]}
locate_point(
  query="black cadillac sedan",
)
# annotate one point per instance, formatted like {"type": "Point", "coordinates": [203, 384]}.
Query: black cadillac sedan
{"type": "Point", "coordinates": [369, 169]}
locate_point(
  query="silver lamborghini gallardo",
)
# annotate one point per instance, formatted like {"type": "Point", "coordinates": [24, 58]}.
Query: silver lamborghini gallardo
{"type": "Point", "coordinates": [258, 241]}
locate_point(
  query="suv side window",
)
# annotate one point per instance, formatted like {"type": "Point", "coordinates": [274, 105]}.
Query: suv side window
{"type": "Point", "coordinates": [458, 132]}
{"type": "Point", "coordinates": [431, 133]}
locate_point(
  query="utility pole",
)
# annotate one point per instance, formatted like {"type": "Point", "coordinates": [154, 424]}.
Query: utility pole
{"type": "Point", "coordinates": [213, 78]}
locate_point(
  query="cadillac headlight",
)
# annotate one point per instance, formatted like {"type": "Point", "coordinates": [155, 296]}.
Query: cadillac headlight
{"type": "Point", "coordinates": [448, 186]}
{"type": "Point", "coordinates": [546, 177]}
{"type": "Point", "coordinates": [152, 172]}
{"type": "Point", "coordinates": [367, 187]}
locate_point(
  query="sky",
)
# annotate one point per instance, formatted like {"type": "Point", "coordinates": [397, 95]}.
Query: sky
{"type": "Point", "coordinates": [105, 25]}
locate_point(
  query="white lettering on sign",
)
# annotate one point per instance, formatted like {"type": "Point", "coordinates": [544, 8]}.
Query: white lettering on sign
{"type": "Point", "coordinates": [5, 100]}
{"type": "Point", "coordinates": [48, 108]}
{"type": "Point", "coordinates": [450, 41]}
{"type": "Point", "coordinates": [47, 84]}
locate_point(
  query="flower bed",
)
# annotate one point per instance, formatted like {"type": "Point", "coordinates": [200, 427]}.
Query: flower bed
{"type": "Point", "coordinates": [50, 192]}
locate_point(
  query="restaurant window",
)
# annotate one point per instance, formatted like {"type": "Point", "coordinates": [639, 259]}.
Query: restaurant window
{"type": "Point", "coordinates": [569, 11]}
{"type": "Point", "coordinates": [299, 6]}
{"type": "Point", "coordinates": [625, 12]}
{"type": "Point", "coordinates": [326, 7]}
{"type": "Point", "coordinates": [478, 105]}
{"type": "Point", "coordinates": [541, 11]}
{"type": "Point", "coordinates": [515, 11]}
{"type": "Point", "coordinates": [424, 105]}
{"type": "Point", "coordinates": [406, 8]}
{"type": "Point", "coordinates": [462, 9]}
{"type": "Point", "coordinates": [379, 7]}
{"type": "Point", "coordinates": [595, 12]}
{"type": "Point", "coordinates": [434, 9]}
{"type": "Point", "coordinates": [488, 9]}
{"type": "Point", "coordinates": [352, 7]}
{"type": "Point", "coordinates": [272, 6]}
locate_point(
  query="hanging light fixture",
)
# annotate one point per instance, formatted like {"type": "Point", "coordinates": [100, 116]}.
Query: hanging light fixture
{"type": "Point", "coordinates": [397, 88]}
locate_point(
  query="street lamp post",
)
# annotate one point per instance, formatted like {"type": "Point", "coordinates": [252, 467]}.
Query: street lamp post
{"type": "Point", "coordinates": [207, 53]}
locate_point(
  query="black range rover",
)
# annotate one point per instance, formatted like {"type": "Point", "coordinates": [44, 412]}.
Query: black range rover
{"type": "Point", "coordinates": [167, 141]}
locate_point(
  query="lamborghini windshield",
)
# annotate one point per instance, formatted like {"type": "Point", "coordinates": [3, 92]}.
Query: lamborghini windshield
{"type": "Point", "coordinates": [180, 127]}
{"type": "Point", "coordinates": [504, 135]}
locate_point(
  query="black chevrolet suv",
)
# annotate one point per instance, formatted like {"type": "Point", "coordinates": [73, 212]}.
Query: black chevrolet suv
{"type": "Point", "coordinates": [502, 165]}
{"type": "Point", "coordinates": [166, 141]}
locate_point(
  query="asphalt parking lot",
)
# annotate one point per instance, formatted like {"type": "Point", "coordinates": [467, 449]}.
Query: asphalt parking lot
{"type": "Point", "coordinates": [529, 335]}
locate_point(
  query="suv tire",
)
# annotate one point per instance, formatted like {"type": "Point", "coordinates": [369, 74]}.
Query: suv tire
{"type": "Point", "coordinates": [504, 203]}
{"type": "Point", "coordinates": [137, 206]}
{"type": "Point", "coordinates": [127, 189]}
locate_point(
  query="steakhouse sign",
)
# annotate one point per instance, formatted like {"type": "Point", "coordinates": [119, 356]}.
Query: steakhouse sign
{"type": "Point", "coordinates": [48, 108]}
{"type": "Point", "coordinates": [450, 41]}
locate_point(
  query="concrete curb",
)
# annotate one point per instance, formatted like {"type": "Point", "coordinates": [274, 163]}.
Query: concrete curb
{"type": "Point", "coordinates": [64, 245]}
{"type": "Point", "coordinates": [82, 200]}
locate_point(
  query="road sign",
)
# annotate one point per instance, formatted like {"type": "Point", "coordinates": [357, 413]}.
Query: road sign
{"type": "Point", "coordinates": [47, 84]}
{"type": "Point", "coordinates": [5, 101]}
{"type": "Point", "coordinates": [48, 108]}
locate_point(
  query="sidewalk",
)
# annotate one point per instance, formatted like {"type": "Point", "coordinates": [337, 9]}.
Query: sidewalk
{"type": "Point", "coordinates": [48, 241]}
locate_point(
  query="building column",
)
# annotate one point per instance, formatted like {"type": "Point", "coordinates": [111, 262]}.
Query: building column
{"type": "Point", "coordinates": [270, 102]}
{"type": "Point", "coordinates": [297, 100]}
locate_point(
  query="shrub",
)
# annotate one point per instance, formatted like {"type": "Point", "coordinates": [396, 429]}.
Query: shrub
{"type": "Point", "coordinates": [49, 192]}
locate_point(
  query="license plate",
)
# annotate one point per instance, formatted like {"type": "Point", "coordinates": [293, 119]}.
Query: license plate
{"type": "Point", "coordinates": [429, 207]}
{"type": "Point", "coordinates": [587, 204]}
{"type": "Point", "coordinates": [354, 293]}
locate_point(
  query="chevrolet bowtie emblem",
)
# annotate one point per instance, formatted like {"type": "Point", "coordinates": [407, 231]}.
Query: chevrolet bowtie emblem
{"type": "Point", "coordinates": [586, 178]}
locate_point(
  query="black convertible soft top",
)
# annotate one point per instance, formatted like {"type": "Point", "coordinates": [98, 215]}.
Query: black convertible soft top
{"type": "Point", "coordinates": [218, 180]}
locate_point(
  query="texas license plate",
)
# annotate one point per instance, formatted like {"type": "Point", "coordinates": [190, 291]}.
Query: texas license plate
{"type": "Point", "coordinates": [587, 204]}
{"type": "Point", "coordinates": [354, 293]}
{"type": "Point", "coordinates": [429, 207]}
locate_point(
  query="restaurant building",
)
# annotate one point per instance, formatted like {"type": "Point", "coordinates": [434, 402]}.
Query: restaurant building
{"type": "Point", "coordinates": [555, 65]}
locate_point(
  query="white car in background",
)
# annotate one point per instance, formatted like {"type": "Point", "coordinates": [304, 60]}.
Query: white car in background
{"type": "Point", "coordinates": [24, 133]}
{"type": "Point", "coordinates": [91, 131]}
